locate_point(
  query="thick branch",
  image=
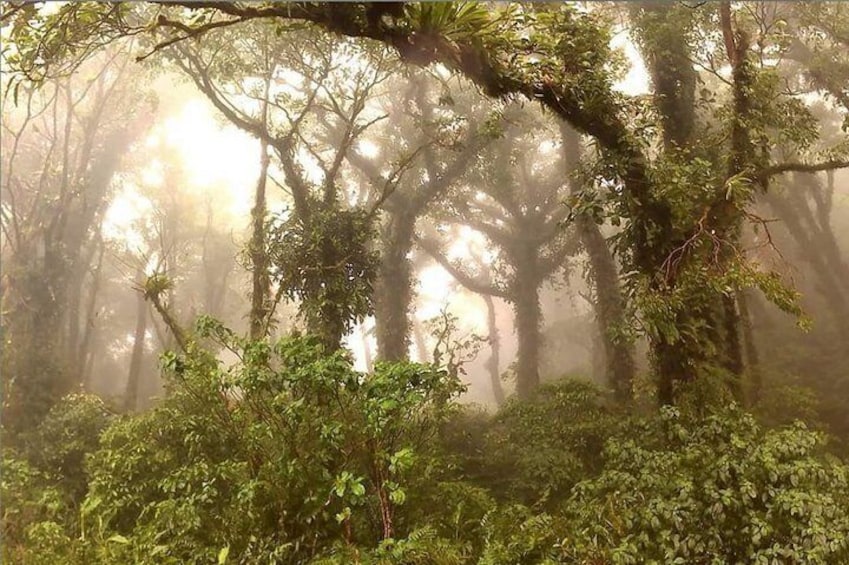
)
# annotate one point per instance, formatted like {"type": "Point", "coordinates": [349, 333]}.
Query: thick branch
{"type": "Point", "coordinates": [795, 167]}
{"type": "Point", "coordinates": [471, 283]}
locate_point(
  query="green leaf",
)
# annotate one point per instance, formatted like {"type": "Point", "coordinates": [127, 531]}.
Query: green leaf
{"type": "Point", "coordinates": [90, 505]}
{"type": "Point", "coordinates": [223, 554]}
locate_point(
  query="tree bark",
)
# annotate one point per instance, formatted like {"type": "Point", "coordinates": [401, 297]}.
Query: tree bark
{"type": "Point", "coordinates": [665, 46]}
{"type": "Point", "coordinates": [260, 278]}
{"type": "Point", "coordinates": [393, 288]}
{"type": "Point", "coordinates": [610, 310]}
{"type": "Point", "coordinates": [134, 378]}
{"type": "Point", "coordinates": [91, 309]}
{"type": "Point", "coordinates": [528, 319]}
{"type": "Point", "coordinates": [712, 339]}
{"type": "Point", "coordinates": [753, 364]}
{"type": "Point", "coordinates": [422, 353]}
{"type": "Point", "coordinates": [493, 364]}
{"type": "Point", "coordinates": [815, 239]}
{"type": "Point", "coordinates": [609, 302]}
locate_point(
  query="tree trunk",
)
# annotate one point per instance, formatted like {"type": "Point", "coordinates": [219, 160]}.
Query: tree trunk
{"type": "Point", "coordinates": [752, 357]}
{"type": "Point", "coordinates": [422, 353]}
{"type": "Point", "coordinates": [72, 319]}
{"type": "Point", "coordinates": [393, 289]}
{"type": "Point", "coordinates": [665, 45]}
{"type": "Point", "coordinates": [708, 337]}
{"type": "Point", "coordinates": [528, 317]}
{"type": "Point", "coordinates": [493, 364]}
{"type": "Point", "coordinates": [609, 310]}
{"type": "Point", "coordinates": [261, 284]}
{"type": "Point", "coordinates": [609, 304]}
{"type": "Point", "coordinates": [91, 309]}
{"type": "Point", "coordinates": [715, 346]}
{"type": "Point", "coordinates": [133, 379]}
{"type": "Point", "coordinates": [818, 252]}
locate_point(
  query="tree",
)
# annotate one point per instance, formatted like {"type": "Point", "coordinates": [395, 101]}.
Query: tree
{"type": "Point", "coordinates": [64, 145]}
{"type": "Point", "coordinates": [560, 57]}
{"type": "Point", "coordinates": [609, 304]}
{"type": "Point", "coordinates": [516, 202]}
{"type": "Point", "coordinates": [447, 136]}
{"type": "Point", "coordinates": [320, 247]}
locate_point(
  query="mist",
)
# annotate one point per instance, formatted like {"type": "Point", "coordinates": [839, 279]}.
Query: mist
{"type": "Point", "coordinates": [278, 284]}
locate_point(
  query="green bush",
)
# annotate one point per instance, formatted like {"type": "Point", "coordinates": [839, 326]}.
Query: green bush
{"type": "Point", "coordinates": [41, 492]}
{"type": "Point", "coordinates": [28, 498]}
{"type": "Point", "coordinates": [716, 490]}
{"type": "Point", "coordinates": [278, 457]}
{"type": "Point", "coordinates": [69, 432]}
{"type": "Point", "coordinates": [534, 451]}
{"type": "Point", "coordinates": [292, 456]}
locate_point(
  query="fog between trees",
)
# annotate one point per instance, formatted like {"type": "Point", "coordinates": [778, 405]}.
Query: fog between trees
{"type": "Point", "coordinates": [359, 256]}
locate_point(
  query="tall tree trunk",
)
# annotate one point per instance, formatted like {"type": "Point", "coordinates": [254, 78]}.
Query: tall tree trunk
{"type": "Point", "coordinates": [733, 345]}
{"type": "Point", "coordinates": [704, 335]}
{"type": "Point", "coordinates": [493, 364]}
{"type": "Point", "coordinates": [609, 302]}
{"type": "Point", "coordinates": [327, 323]}
{"type": "Point", "coordinates": [261, 284]}
{"type": "Point", "coordinates": [665, 45]}
{"type": "Point", "coordinates": [133, 379]}
{"type": "Point", "coordinates": [753, 364]}
{"type": "Point", "coordinates": [528, 318]}
{"type": "Point", "coordinates": [680, 361]}
{"type": "Point", "coordinates": [818, 248]}
{"type": "Point", "coordinates": [712, 337]}
{"type": "Point", "coordinates": [609, 310]}
{"type": "Point", "coordinates": [393, 290]}
{"type": "Point", "coordinates": [89, 323]}
{"type": "Point", "coordinates": [72, 320]}
{"type": "Point", "coordinates": [422, 353]}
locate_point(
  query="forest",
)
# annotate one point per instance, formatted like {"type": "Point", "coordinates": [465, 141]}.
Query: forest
{"type": "Point", "coordinates": [445, 283]}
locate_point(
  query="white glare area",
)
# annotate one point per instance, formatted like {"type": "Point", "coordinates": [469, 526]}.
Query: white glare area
{"type": "Point", "coordinates": [152, 174]}
{"type": "Point", "coordinates": [124, 216]}
{"type": "Point", "coordinates": [442, 71]}
{"type": "Point", "coordinates": [213, 155]}
{"type": "Point", "coordinates": [287, 82]}
{"type": "Point", "coordinates": [547, 147]}
{"type": "Point", "coordinates": [438, 290]}
{"type": "Point", "coordinates": [311, 166]}
{"type": "Point", "coordinates": [437, 286]}
{"type": "Point", "coordinates": [368, 148]}
{"type": "Point", "coordinates": [356, 342]}
{"type": "Point", "coordinates": [220, 162]}
{"type": "Point", "coordinates": [636, 81]}
{"type": "Point", "coordinates": [50, 8]}
{"type": "Point", "coordinates": [467, 239]}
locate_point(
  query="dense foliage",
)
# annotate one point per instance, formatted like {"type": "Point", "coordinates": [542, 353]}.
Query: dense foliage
{"type": "Point", "coordinates": [398, 134]}
{"type": "Point", "coordinates": [288, 455]}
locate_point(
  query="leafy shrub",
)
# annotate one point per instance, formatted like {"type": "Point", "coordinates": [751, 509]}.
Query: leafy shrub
{"type": "Point", "coordinates": [714, 490]}
{"type": "Point", "coordinates": [783, 404]}
{"type": "Point", "coordinates": [536, 450]}
{"type": "Point", "coordinates": [291, 456]}
{"type": "Point", "coordinates": [277, 457]}
{"type": "Point", "coordinates": [41, 493]}
{"type": "Point", "coordinates": [514, 534]}
{"type": "Point", "coordinates": [28, 498]}
{"type": "Point", "coordinates": [421, 547]}
{"type": "Point", "coordinates": [69, 432]}
{"type": "Point", "coordinates": [47, 543]}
